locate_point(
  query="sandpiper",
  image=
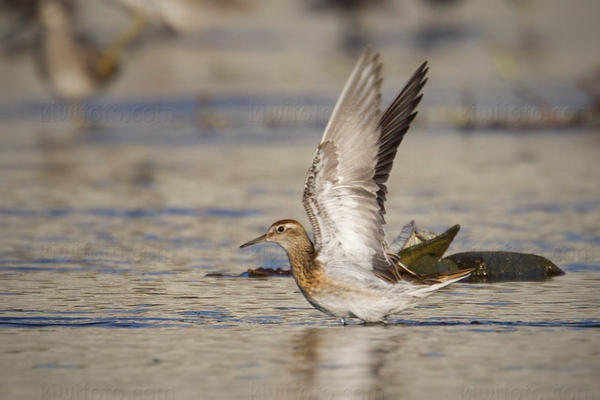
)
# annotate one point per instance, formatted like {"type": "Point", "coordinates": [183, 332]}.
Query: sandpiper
{"type": "Point", "coordinates": [349, 271]}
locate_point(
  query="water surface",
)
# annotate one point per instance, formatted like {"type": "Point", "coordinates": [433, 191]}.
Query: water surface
{"type": "Point", "coordinates": [105, 248]}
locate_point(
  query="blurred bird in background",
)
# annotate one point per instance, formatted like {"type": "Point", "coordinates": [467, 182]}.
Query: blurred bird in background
{"type": "Point", "coordinates": [69, 62]}
{"type": "Point", "coordinates": [72, 65]}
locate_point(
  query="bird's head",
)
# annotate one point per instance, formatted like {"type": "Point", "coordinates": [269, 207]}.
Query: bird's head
{"type": "Point", "coordinates": [287, 233]}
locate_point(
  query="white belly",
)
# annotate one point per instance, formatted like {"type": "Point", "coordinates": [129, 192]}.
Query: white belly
{"type": "Point", "coordinates": [367, 305]}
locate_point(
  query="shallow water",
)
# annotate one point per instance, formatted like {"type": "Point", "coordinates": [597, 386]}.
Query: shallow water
{"type": "Point", "coordinates": [105, 245]}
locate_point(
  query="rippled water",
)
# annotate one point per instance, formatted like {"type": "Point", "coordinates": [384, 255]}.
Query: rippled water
{"type": "Point", "coordinates": [105, 246]}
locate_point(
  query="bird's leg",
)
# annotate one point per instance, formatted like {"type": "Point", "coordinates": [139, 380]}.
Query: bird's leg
{"type": "Point", "coordinates": [110, 56]}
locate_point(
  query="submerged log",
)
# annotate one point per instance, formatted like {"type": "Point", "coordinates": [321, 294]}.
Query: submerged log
{"type": "Point", "coordinates": [425, 257]}
{"type": "Point", "coordinates": [253, 273]}
{"type": "Point", "coordinates": [494, 266]}
{"type": "Point", "coordinates": [264, 272]}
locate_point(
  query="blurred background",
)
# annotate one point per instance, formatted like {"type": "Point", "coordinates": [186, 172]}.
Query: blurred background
{"type": "Point", "coordinates": [189, 69]}
{"type": "Point", "coordinates": [141, 141]}
{"type": "Point", "coordinates": [191, 104]}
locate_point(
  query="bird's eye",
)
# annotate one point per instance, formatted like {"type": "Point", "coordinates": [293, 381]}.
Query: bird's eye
{"type": "Point", "coordinates": [281, 228]}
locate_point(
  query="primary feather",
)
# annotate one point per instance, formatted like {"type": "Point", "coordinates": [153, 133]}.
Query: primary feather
{"type": "Point", "coordinates": [345, 189]}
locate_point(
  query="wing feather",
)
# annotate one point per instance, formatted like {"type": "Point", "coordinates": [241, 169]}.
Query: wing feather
{"type": "Point", "coordinates": [345, 187]}
{"type": "Point", "coordinates": [394, 123]}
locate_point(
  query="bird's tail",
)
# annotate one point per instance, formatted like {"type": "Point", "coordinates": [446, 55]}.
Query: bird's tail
{"type": "Point", "coordinates": [443, 279]}
{"type": "Point", "coordinates": [454, 276]}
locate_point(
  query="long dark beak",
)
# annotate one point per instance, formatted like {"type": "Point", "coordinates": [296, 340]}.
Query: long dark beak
{"type": "Point", "coordinates": [259, 239]}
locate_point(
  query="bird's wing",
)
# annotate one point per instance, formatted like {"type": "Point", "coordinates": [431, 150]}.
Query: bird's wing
{"type": "Point", "coordinates": [345, 190]}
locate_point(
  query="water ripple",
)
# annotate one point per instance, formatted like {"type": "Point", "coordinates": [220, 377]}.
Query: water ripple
{"type": "Point", "coordinates": [203, 316]}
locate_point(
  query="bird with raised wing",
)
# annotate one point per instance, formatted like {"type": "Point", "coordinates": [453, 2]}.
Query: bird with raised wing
{"type": "Point", "coordinates": [349, 271]}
